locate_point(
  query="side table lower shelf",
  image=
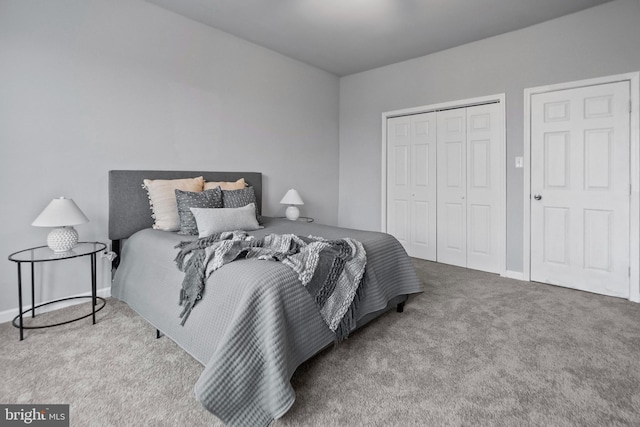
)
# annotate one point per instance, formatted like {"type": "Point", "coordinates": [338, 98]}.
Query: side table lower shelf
{"type": "Point", "coordinates": [32, 310]}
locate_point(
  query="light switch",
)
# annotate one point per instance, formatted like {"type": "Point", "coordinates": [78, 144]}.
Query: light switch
{"type": "Point", "coordinates": [519, 162]}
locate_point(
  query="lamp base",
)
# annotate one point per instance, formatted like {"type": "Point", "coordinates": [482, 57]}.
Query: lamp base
{"type": "Point", "coordinates": [62, 239]}
{"type": "Point", "coordinates": [292, 213]}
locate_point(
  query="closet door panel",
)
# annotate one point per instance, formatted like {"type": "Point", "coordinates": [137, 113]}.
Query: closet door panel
{"type": "Point", "coordinates": [484, 188]}
{"type": "Point", "coordinates": [398, 182]}
{"type": "Point", "coordinates": [423, 186]}
{"type": "Point", "coordinates": [452, 183]}
{"type": "Point", "coordinates": [411, 183]}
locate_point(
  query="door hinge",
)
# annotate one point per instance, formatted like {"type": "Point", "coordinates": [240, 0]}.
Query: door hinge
{"type": "Point", "coordinates": [630, 103]}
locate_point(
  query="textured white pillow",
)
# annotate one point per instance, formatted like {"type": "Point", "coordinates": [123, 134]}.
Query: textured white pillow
{"type": "Point", "coordinates": [162, 198]}
{"type": "Point", "coordinates": [217, 220]}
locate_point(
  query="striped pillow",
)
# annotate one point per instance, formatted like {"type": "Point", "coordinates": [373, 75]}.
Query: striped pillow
{"type": "Point", "coordinates": [241, 198]}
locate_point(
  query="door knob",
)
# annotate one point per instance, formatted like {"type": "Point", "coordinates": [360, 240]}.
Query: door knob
{"type": "Point", "coordinates": [537, 196]}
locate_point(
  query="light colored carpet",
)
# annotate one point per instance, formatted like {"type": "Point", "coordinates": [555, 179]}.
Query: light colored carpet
{"type": "Point", "coordinates": [473, 349]}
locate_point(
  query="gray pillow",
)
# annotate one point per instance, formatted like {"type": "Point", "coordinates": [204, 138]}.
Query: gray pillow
{"type": "Point", "coordinates": [240, 198]}
{"type": "Point", "coordinates": [188, 199]}
{"type": "Point", "coordinates": [212, 221]}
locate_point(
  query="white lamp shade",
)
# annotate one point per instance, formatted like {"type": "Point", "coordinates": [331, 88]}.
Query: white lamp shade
{"type": "Point", "coordinates": [60, 212]}
{"type": "Point", "coordinates": [63, 214]}
{"type": "Point", "coordinates": [292, 198]}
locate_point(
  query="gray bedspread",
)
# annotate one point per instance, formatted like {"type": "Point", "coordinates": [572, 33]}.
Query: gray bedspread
{"type": "Point", "coordinates": [256, 323]}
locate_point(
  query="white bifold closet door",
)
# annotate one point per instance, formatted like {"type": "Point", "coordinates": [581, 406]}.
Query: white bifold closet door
{"type": "Point", "coordinates": [469, 187]}
{"type": "Point", "coordinates": [411, 183]}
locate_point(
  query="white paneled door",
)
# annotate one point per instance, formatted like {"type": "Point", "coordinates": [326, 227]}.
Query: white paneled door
{"type": "Point", "coordinates": [470, 187]}
{"type": "Point", "coordinates": [580, 188]}
{"type": "Point", "coordinates": [485, 160]}
{"type": "Point", "coordinates": [452, 187]}
{"type": "Point", "coordinates": [411, 183]}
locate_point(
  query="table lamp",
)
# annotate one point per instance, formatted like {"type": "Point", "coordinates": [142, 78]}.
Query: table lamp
{"type": "Point", "coordinates": [292, 198]}
{"type": "Point", "coordinates": [63, 214]}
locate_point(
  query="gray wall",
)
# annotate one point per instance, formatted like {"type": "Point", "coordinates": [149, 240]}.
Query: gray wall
{"type": "Point", "coordinates": [601, 41]}
{"type": "Point", "coordinates": [89, 86]}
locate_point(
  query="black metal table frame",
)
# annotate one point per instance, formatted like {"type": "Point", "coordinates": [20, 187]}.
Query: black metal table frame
{"type": "Point", "coordinates": [94, 297]}
{"type": "Point", "coordinates": [300, 218]}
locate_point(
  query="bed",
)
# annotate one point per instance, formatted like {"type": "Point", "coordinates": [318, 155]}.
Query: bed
{"type": "Point", "coordinates": [255, 323]}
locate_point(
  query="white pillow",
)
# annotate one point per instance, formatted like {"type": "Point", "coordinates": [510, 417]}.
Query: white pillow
{"type": "Point", "coordinates": [162, 197]}
{"type": "Point", "coordinates": [217, 220]}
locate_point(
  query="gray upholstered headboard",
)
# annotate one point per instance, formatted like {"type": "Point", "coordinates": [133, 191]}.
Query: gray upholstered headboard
{"type": "Point", "coordinates": [129, 209]}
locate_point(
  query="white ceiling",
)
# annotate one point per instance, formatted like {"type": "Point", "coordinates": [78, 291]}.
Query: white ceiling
{"type": "Point", "coordinates": [349, 36]}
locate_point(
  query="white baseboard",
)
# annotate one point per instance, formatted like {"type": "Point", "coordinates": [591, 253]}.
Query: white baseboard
{"type": "Point", "coordinates": [8, 315]}
{"type": "Point", "coordinates": [517, 275]}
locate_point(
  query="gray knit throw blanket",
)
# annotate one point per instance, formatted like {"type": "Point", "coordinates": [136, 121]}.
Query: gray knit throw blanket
{"type": "Point", "coordinates": [331, 270]}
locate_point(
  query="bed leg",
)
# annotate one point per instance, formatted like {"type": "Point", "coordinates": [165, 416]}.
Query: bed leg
{"type": "Point", "coordinates": [400, 307]}
{"type": "Point", "coordinates": [115, 247]}
{"type": "Point", "coordinates": [158, 334]}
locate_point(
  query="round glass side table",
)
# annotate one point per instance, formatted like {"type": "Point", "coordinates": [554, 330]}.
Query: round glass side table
{"type": "Point", "coordinates": [44, 254]}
